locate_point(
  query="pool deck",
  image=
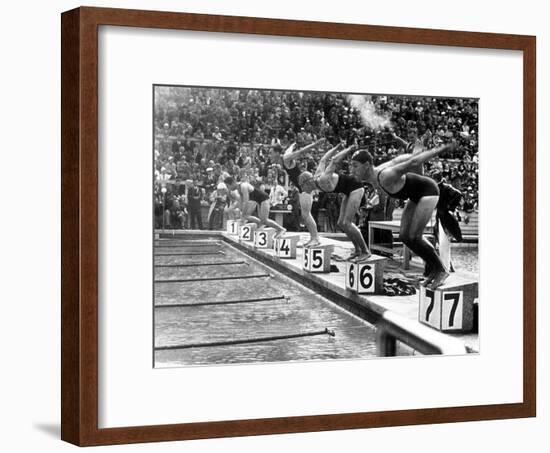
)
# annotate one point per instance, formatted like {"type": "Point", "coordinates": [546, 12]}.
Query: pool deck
{"type": "Point", "coordinates": [405, 306]}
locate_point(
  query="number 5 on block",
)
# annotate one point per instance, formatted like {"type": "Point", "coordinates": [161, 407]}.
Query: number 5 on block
{"type": "Point", "coordinates": [317, 259]}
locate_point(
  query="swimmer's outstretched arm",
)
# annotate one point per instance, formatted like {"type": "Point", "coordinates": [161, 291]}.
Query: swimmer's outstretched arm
{"type": "Point", "coordinates": [291, 154]}
{"type": "Point", "coordinates": [399, 140]}
{"type": "Point", "coordinates": [342, 154]}
{"type": "Point", "coordinates": [402, 164]}
{"type": "Point", "coordinates": [331, 152]}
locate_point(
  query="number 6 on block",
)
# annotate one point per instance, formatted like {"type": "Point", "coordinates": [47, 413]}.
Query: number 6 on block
{"type": "Point", "coordinates": [360, 277]}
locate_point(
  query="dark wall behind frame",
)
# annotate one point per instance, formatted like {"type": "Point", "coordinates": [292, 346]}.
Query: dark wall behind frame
{"type": "Point", "coordinates": [79, 200]}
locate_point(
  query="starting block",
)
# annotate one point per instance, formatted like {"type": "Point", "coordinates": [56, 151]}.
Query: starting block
{"type": "Point", "coordinates": [449, 308]}
{"type": "Point", "coordinates": [246, 232]}
{"type": "Point", "coordinates": [233, 226]}
{"type": "Point", "coordinates": [157, 236]}
{"type": "Point", "coordinates": [366, 277]}
{"type": "Point", "coordinates": [263, 239]}
{"type": "Point", "coordinates": [285, 247]}
{"type": "Point", "coordinates": [317, 258]}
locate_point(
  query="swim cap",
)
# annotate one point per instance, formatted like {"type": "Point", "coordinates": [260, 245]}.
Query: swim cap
{"type": "Point", "coordinates": [362, 156]}
{"type": "Point", "coordinates": [304, 178]}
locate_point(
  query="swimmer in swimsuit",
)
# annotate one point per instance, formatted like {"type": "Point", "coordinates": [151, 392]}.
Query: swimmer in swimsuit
{"type": "Point", "coordinates": [327, 179]}
{"type": "Point", "coordinates": [288, 161]}
{"type": "Point", "coordinates": [231, 211]}
{"type": "Point", "coordinates": [394, 178]}
{"type": "Point", "coordinates": [251, 198]}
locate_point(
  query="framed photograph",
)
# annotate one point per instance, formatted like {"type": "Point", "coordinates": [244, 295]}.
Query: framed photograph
{"type": "Point", "coordinates": [274, 226]}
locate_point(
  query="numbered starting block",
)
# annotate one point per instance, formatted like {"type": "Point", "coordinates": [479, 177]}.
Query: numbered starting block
{"type": "Point", "coordinates": [450, 308]}
{"type": "Point", "coordinates": [263, 239]}
{"type": "Point", "coordinates": [317, 259]}
{"type": "Point", "coordinates": [285, 247]}
{"type": "Point", "coordinates": [233, 226]}
{"type": "Point", "coordinates": [366, 277]}
{"type": "Point", "coordinates": [157, 236]}
{"type": "Point", "coordinates": [247, 231]}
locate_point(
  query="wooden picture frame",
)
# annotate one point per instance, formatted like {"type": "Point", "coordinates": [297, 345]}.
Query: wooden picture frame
{"type": "Point", "coordinates": [79, 342]}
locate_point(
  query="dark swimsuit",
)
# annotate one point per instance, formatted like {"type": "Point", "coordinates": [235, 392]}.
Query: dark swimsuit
{"type": "Point", "coordinates": [293, 174]}
{"type": "Point", "coordinates": [415, 187]}
{"type": "Point", "coordinates": [258, 196]}
{"type": "Point", "coordinates": [347, 184]}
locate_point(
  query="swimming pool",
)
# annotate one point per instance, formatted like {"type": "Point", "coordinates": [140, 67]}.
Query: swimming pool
{"type": "Point", "coordinates": [214, 304]}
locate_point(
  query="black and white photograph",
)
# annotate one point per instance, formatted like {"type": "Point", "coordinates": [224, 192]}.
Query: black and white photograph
{"type": "Point", "coordinates": [306, 226]}
{"type": "Point", "coordinates": [275, 226]}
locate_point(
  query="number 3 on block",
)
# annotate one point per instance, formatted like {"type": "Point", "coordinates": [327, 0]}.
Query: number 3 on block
{"type": "Point", "coordinates": [261, 239]}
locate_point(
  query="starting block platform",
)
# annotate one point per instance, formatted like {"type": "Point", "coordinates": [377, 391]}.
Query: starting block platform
{"type": "Point", "coordinates": [366, 277]}
{"type": "Point", "coordinates": [450, 307]}
{"type": "Point", "coordinates": [366, 295]}
{"type": "Point", "coordinates": [286, 246]}
{"type": "Point", "coordinates": [263, 239]}
{"type": "Point", "coordinates": [317, 258]}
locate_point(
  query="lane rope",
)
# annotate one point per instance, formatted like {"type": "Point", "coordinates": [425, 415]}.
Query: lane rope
{"type": "Point", "coordinates": [218, 263]}
{"type": "Point", "coordinates": [326, 331]}
{"type": "Point", "coordinates": [190, 254]}
{"type": "Point", "coordinates": [223, 302]}
{"type": "Point", "coordinates": [207, 279]}
{"type": "Point", "coordinates": [185, 245]}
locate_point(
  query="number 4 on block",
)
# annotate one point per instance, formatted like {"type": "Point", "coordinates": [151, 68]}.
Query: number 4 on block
{"type": "Point", "coordinates": [285, 247]}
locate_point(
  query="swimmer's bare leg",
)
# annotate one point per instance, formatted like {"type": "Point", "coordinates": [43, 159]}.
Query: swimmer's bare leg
{"type": "Point", "coordinates": [306, 201]}
{"type": "Point", "coordinates": [263, 211]}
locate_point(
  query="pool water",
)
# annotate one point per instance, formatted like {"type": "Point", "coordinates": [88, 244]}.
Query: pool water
{"type": "Point", "coordinates": [293, 310]}
{"type": "Point", "coordinates": [465, 257]}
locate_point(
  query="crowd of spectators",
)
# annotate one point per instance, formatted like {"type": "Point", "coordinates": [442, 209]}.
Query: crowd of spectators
{"type": "Point", "coordinates": [203, 135]}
